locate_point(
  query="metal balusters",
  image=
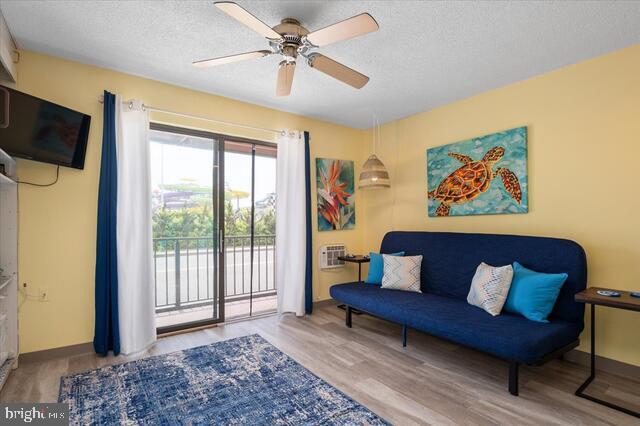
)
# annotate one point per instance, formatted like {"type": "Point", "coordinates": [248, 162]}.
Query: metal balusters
{"type": "Point", "coordinates": [155, 270]}
{"type": "Point", "coordinates": [206, 248]}
{"type": "Point", "coordinates": [166, 274]}
{"type": "Point", "coordinates": [234, 266]}
{"type": "Point", "coordinates": [257, 247]}
{"type": "Point", "coordinates": [188, 281]}
{"type": "Point", "coordinates": [198, 267]}
{"type": "Point", "coordinates": [242, 242]}
{"type": "Point", "coordinates": [265, 273]}
{"type": "Point", "coordinates": [237, 286]}
{"type": "Point", "coordinates": [176, 247]}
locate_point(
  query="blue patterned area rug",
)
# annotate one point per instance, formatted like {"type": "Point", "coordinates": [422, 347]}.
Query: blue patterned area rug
{"type": "Point", "coordinates": [239, 381]}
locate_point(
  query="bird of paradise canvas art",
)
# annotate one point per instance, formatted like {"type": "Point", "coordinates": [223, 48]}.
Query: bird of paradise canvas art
{"type": "Point", "coordinates": [335, 183]}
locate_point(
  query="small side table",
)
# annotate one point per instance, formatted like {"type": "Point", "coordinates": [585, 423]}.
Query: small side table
{"type": "Point", "coordinates": [359, 259]}
{"type": "Point", "coordinates": [591, 297]}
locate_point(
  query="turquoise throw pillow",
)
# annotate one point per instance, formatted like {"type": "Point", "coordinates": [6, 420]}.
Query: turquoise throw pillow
{"type": "Point", "coordinates": [376, 267]}
{"type": "Point", "coordinates": [533, 294]}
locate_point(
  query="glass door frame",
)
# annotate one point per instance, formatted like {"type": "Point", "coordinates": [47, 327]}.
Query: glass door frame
{"type": "Point", "coordinates": [220, 140]}
{"type": "Point", "coordinates": [252, 146]}
{"type": "Point", "coordinates": [218, 243]}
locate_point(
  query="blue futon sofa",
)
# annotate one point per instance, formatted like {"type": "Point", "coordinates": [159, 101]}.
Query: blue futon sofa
{"type": "Point", "coordinates": [448, 265]}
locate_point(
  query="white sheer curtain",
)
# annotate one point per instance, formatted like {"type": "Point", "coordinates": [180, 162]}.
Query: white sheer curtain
{"type": "Point", "coordinates": [136, 287]}
{"type": "Point", "coordinates": [290, 222]}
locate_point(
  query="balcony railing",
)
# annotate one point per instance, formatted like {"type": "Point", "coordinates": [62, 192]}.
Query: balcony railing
{"type": "Point", "coordinates": [186, 276]}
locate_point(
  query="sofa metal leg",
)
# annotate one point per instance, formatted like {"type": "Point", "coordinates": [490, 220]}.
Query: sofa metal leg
{"type": "Point", "coordinates": [348, 318]}
{"type": "Point", "coordinates": [404, 336]}
{"type": "Point", "coordinates": [513, 378]}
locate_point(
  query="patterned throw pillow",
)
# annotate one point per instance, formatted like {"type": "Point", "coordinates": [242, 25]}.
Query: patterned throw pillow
{"type": "Point", "coordinates": [401, 273]}
{"type": "Point", "coordinates": [376, 267]}
{"type": "Point", "coordinates": [490, 287]}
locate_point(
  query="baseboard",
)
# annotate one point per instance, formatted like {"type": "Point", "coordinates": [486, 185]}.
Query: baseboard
{"type": "Point", "coordinates": [65, 351]}
{"type": "Point", "coordinates": [326, 302]}
{"type": "Point", "coordinates": [604, 364]}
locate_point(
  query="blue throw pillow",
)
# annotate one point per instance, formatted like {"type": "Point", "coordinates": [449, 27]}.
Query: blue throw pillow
{"type": "Point", "coordinates": [533, 294]}
{"type": "Point", "coordinates": [376, 267]}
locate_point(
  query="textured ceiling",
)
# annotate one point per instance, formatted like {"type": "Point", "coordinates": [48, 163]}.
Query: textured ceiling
{"type": "Point", "coordinates": [425, 54]}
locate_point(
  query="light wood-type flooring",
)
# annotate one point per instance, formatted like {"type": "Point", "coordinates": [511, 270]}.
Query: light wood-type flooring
{"type": "Point", "coordinates": [431, 381]}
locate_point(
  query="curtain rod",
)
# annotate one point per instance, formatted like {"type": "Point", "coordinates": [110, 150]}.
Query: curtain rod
{"type": "Point", "coordinates": [197, 117]}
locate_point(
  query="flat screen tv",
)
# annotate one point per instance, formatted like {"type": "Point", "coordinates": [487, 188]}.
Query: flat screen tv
{"type": "Point", "coordinates": [39, 130]}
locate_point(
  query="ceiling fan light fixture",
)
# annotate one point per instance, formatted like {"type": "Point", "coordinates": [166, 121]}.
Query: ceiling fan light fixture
{"type": "Point", "coordinates": [285, 78]}
{"type": "Point", "coordinates": [374, 174]}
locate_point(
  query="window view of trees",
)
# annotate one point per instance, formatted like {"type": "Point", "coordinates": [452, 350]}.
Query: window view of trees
{"type": "Point", "coordinates": [186, 210]}
{"type": "Point", "coordinates": [182, 192]}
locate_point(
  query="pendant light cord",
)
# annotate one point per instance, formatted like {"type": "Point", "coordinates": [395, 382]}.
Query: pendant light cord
{"type": "Point", "coordinates": [395, 185]}
{"type": "Point", "coordinates": [377, 136]}
{"type": "Point", "coordinates": [375, 130]}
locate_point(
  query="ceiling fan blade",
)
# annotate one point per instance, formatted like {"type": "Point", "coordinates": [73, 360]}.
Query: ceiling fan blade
{"type": "Point", "coordinates": [285, 78]}
{"type": "Point", "coordinates": [240, 14]}
{"type": "Point", "coordinates": [344, 30]}
{"type": "Point", "coordinates": [337, 70]}
{"type": "Point", "coordinates": [231, 58]}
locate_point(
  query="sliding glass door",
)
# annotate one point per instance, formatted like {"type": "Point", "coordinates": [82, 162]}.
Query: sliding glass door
{"type": "Point", "coordinates": [186, 170]}
{"type": "Point", "coordinates": [250, 195]}
{"type": "Point", "coordinates": [213, 199]}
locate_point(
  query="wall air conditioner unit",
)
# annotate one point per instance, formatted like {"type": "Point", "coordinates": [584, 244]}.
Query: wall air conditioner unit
{"type": "Point", "coordinates": [329, 256]}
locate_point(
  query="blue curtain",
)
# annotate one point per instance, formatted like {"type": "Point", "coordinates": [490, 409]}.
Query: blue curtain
{"type": "Point", "coordinates": [107, 335]}
{"type": "Point", "coordinates": [308, 285]}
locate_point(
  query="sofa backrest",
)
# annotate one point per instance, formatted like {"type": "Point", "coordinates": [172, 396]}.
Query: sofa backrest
{"type": "Point", "coordinates": [450, 261]}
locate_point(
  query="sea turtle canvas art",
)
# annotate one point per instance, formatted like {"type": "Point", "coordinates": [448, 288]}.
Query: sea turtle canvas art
{"type": "Point", "coordinates": [483, 175]}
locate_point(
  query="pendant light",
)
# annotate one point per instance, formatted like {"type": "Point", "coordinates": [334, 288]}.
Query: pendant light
{"type": "Point", "coordinates": [374, 174]}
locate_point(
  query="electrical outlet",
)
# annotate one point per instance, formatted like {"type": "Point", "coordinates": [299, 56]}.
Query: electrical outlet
{"type": "Point", "coordinates": [43, 294]}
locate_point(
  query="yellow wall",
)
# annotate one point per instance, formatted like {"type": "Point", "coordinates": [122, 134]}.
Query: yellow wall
{"type": "Point", "coordinates": [584, 144]}
{"type": "Point", "coordinates": [584, 173]}
{"type": "Point", "coordinates": [58, 224]}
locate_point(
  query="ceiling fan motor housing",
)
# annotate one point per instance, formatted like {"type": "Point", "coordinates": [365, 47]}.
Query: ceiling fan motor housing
{"type": "Point", "coordinates": [292, 41]}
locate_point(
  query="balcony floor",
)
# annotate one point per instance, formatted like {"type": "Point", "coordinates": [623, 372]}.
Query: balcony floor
{"type": "Point", "coordinates": [238, 309]}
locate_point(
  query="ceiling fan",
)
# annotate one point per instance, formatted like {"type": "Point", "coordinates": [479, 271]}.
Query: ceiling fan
{"type": "Point", "coordinates": [289, 39]}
